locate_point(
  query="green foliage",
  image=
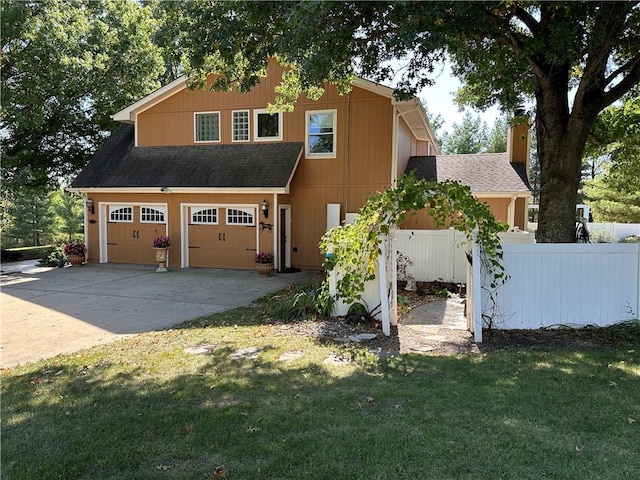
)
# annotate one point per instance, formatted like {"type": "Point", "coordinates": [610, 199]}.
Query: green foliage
{"type": "Point", "coordinates": [33, 219]}
{"type": "Point", "coordinates": [65, 68]}
{"type": "Point", "coordinates": [610, 203]}
{"type": "Point", "coordinates": [468, 137]}
{"type": "Point", "coordinates": [506, 53]}
{"type": "Point", "coordinates": [355, 248]}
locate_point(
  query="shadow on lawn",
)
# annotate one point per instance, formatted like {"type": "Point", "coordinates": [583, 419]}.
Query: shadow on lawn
{"type": "Point", "coordinates": [521, 414]}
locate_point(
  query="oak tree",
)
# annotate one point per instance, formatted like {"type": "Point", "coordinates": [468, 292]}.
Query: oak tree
{"type": "Point", "coordinates": [573, 58]}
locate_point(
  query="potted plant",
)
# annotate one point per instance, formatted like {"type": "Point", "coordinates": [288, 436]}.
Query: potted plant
{"type": "Point", "coordinates": [264, 263]}
{"type": "Point", "coordinates": [75, 252]}
{"type": "Point", "coordinates": [161, 244]}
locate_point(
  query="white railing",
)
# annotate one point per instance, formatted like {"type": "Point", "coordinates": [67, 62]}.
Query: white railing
{"type": "Point", "coordinates": [560, 284]}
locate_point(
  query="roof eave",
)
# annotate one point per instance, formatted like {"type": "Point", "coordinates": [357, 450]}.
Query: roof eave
{"type": "Point", "coordinates": [128, 114]}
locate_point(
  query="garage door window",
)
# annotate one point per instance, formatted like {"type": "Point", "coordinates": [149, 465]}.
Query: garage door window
{"type": "Point", "coordinates": [240, 216]}
{"type": "Point", "coordinates": [152, 215]}
{"type": "Point", "coordinates": [204, 216]}
{"type": "Point", "coordinates": [121, 214]}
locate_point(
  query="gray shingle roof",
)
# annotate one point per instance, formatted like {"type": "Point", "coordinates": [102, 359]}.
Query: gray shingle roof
{"type": "Point", "coordinates": [482, 172]}
{"type": "Point", "coordinates": [119, 164]}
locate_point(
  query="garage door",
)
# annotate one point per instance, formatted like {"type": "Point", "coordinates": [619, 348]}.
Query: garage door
{"type": "Point", "coordinates": [222, 237]}
{"type": "Point", "coordinates": [130, 233]}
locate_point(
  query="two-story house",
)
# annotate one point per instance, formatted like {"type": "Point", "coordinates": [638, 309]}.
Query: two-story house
{"type": "Point", "coordinates": [225, 179]}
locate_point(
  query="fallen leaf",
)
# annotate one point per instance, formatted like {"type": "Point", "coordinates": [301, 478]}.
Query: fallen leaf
{"type": "Point", "coordinates": [631, 420]}
{"type": "Point", "coordinates": [369, 399]}
{"type": "Point", "coordinates": [221, 472]}
{"type": "Point", "coordinates": [189, 428]}
{"type": "Point", "coordinates": [252, 429]}
{"type": "Point", "coordinates": [163, 467]}
{"type": "Point", "coordinates": [578, 449]}
{"type": "Point", "coordinates": [613, 384]}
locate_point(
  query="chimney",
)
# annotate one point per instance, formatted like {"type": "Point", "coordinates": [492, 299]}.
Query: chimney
{"type": "Point", "coordinates": [519, 142]}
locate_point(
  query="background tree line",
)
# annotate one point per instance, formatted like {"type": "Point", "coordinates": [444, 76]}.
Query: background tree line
{"type": "Point", "coordinates": [65, 67]}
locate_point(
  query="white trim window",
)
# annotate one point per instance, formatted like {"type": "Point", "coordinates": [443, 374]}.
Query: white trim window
{"type": "Point", "coordinates": [240, 126]}
{"type": "Point", "coordinates": [321, 133]}
{"type": "Point", "coordinates": [241, 216]}
{"type": "Point", "coordinates": [206, 126]}
{"type": "Point", "coordinates": [204, 216]}
{"type": "Point", "coordinates": [119, 214]}
{"type": "Point", "coordinates": [267, 127]}
{"type": "Point", "coordinates": [153, 214]}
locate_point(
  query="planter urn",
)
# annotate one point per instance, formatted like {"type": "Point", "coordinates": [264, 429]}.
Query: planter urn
{"type": "Point", "coordinates": [264, 269]}
{"type": "Point", "coordinates": [75, 260]}
{"type": "Point", "coordinates": [161, 258]}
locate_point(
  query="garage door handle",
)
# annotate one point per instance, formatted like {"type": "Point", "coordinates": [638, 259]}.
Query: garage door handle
{"type": "Point", "coordinates": [224, 237]}
{"type": "Point", "coordinates": [219, 237]}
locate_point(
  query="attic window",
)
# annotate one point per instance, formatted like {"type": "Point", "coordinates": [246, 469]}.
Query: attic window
{"type": "Point", "coordinates": [207, 126]}
{"type": "Point", "coordinates": [267, 126]}
{"type": "Point", "coordinates": [321, 130]}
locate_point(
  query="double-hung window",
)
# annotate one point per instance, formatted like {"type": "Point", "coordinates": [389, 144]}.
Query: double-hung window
{"type": "Point", "coordinates": [267, 126]}
{"type": "Point", "coordinates": [207, 126]}
{"type": "Point", "coordinates": [240, 125]}
{"type": "Point", "coordinates": [321, 133]}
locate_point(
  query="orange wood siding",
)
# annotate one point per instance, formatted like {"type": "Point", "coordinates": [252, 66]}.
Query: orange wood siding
{"type": "Point", "coordinates": [522, 208]}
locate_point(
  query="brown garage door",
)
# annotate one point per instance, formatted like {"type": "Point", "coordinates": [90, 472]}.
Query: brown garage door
{"type": "Point", "coordinates": [130, 233]}
{"type": "Point", "coordinates": [222, 237]}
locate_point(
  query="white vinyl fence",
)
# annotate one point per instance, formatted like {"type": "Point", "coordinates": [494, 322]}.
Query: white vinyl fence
{"type": "Point", "coordinates": [558, 284]}
{"type": "Point", "coordinates": [439, 255]}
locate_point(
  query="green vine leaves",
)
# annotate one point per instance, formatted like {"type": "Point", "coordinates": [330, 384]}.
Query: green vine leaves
{"type": "Point", "coordinates": [354, 249]}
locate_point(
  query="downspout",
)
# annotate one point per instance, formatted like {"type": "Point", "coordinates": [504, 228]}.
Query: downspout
{"type": "Point", "coordinates": [511, 212]}
{"type": "Point", "coordinates": [347, 157]}
{"type": "Point", "coordinates": [394, 146]}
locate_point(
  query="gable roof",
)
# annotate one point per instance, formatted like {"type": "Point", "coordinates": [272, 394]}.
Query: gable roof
{"type": "Point", "coordinates": [411, 110]}
{"type": "Point", "coordinates": [484, 173]}
{"type": "Point", "coordinates": [248, 167]}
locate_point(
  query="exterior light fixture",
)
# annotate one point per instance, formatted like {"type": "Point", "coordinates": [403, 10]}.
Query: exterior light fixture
{"type": "Point", "coordinates": [90, 206]}
{"type": "Point", "coordinates": [265, 208]}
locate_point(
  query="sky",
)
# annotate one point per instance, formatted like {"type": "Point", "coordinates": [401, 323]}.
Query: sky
{"type": "Point", "coordinates": [439, 100]}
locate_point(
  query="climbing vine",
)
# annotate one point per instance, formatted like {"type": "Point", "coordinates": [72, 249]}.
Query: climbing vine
{"type": "Point", "coordinates": [355, 248]}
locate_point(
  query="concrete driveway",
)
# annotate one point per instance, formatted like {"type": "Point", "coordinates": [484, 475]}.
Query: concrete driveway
{"type": "Point", "coordinates": [52, 311]}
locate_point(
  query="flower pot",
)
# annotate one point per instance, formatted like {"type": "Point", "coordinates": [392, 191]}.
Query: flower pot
{"type": "Point", "coordinates": [161, 258]}
{"type": "Point", "coordinates": [264, 269]}
{"type": "Point", "coordinates": [75, 260]}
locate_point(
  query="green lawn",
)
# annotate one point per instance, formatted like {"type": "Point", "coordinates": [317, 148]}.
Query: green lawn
{"type": "Point", "coordinates": [144, 409]}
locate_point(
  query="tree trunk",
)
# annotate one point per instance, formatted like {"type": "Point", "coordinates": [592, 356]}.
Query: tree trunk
{"type": "Point", "coordinates": [561, 138]}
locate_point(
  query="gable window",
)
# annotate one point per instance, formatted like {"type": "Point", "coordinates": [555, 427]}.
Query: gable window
{"type": "Point", "coordinates": [267, 126]}
{"type": "Point", "coordinates": [120, 214]}
{"type": "Point", "coordinates": [152, 214]}
{"type": "Point", "coordinates": [321, 133]}
{"type": "Point", "coordinates": [240, 216]}
{"type": "Point", "coordinates": [207, 126]}
{"type": "Point", "coordinates": [240, 125]}
{"type": "Point", "coordinates": [204, 216]}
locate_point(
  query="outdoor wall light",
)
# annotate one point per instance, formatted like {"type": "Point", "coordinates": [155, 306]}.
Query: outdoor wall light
{"type": "Point", "coordinates": [90, 206]}
{"type": "Point", "coordinates": [265, 208]}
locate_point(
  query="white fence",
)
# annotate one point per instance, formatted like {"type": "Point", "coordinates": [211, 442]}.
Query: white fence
{"type": "Point", "coordinates": [559, 284]}
{"type": "Point", "coordinates": [440, 255]}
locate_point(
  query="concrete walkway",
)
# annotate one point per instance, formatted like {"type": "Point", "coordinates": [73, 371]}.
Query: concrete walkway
{"type": "Point", "coordinates": [446, 313]}
{"type": "Point", "coordinates": [51, 311]}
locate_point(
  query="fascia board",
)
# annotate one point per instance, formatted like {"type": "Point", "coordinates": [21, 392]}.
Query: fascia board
{"type": "Point", "coordinates": [127, 115]}
{"type": "Point", "coordinates": [227, 190]}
